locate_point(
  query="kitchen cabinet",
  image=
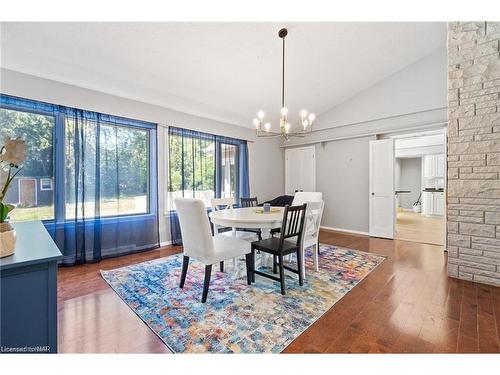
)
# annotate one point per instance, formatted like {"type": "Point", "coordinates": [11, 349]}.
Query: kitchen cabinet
{"type": "Point", "coordinates": [438, 204]}
{"type": "Point", "coordinates": [434, 166]}
{"type": "Point", "coordinates": [433, 203]}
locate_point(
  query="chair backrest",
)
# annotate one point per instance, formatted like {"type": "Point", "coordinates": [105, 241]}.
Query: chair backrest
{"type": "Point", "coordinates": [249, 202]}
{"type": "Point", "coordinates": [314, 213]}
{"type": "Point", "coordinates": [195, 227]}
{"type": "Point", "coordinates": [293, 223]}
{"type": "Point", "coordinates": [221, 203]}
{"type": "Point", "coordinates": [302, 197]}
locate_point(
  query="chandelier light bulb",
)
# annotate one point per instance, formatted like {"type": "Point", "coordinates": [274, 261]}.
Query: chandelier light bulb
{"type": "Point", "coordinates": [267, 126]}
{"type": "Point", "coordinates": [256, 122]}
{"type": "Point", "coordinates": [287, 127]}
{"type": "Point", "coordinates": [312, 117]}
{"type": "Point", "coordinates": [303, 113]}
{"type": "Point", "coordinates": [284, 111]}
{"type": "Point", "coordinates": [305, 123]}
{"type": "Point", "coordinates": [260, 114]}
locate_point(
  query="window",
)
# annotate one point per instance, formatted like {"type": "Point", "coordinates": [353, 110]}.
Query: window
{"type": "Point", "coordinates": [46, 184]}
{"type": "Point", "coordinates": [28, 191]}
{"type": "Point", "coordinates": [113, 175]}
{"type": "Point", "coordinates": [124, 156]}
{"type": "Point", "coordinates": [191, 166]}
{"type": "Point", "coordinates": [205, 166]}
{"type": "Point", "coordinates": [82, 167]}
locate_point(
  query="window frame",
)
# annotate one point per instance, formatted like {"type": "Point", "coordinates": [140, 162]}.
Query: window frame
{"type": "Point", "coordinates": [45, 179]}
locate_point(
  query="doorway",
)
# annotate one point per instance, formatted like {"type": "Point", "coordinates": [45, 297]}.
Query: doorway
{"type": "Point", "coordinates": [407, 187]}
{"type": "Point", "coordinates": [420, 187]}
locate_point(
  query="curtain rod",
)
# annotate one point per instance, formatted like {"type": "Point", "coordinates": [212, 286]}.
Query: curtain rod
{"type": "Point", "coordinates": [196, 130]}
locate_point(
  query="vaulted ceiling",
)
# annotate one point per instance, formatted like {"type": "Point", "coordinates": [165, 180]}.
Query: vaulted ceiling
{"type": "Point", "coordinates": [223, 71]}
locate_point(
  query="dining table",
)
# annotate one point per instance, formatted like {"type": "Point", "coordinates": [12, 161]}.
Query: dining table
{"type": "Point", "coordinates": [250, 218]}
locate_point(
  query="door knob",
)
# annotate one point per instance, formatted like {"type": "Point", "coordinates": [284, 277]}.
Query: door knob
{"type": "Point", "coordinates": [373, 193]}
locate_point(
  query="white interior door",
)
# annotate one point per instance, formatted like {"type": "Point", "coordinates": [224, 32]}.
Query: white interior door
{"type": "Point", "coordinates": [308, 170]}
{"type": "Point", "coordinates": [300, 170]}
{"type": "Point", "coordinates": [382, 202]}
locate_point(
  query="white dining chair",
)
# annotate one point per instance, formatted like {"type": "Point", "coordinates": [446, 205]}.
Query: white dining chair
{"type": "Point", "coordinates": [199, 244]}
{"type": "Point", "coordinates": [314, 213]}
{"type": "Point", "coordinates": [221, 203]}
{"type": "Point", "coordinates": [302, 197]}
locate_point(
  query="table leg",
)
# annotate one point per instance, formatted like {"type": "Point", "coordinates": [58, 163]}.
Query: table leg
{"type": "Point", "coordinates": [235, 260]}
{"type": "Point", "coordinates": [264, 258]}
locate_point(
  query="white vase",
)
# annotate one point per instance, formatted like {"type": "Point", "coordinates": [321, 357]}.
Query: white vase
{"type": "Point", "coordinates": [7, 240]}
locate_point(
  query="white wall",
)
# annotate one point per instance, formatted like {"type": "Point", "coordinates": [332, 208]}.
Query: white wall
{"type": "Point", "coordinates": [342, 176]}
{"type": "Point", "coordinates": [266, 159]}
{"type": "Point", "coordinates": [413, 98]}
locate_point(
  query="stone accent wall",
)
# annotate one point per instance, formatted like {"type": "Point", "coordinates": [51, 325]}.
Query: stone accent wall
{"type": "Point", "coordinates": [474, 151]}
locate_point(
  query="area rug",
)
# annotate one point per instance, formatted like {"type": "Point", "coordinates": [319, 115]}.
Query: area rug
{"type": "Point", "coordinates": [237, 318]}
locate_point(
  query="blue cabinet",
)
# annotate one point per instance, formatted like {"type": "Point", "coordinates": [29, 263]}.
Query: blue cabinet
{"type": "Point", "coordinates": [28, 286]}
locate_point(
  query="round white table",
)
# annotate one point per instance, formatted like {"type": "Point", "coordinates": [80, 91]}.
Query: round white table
{"type": "Point", "coordinates": [249, 218]}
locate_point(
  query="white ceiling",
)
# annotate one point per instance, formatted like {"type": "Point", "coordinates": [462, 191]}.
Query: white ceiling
{"type": "Point", "coordinates": [223, 71]}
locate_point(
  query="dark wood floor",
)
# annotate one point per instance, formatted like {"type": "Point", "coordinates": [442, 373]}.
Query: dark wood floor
{"type": "Point", "coordinates": [407, 305]}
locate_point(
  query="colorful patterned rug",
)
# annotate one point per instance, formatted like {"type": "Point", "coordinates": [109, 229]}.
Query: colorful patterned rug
{"type": "Point", "coordinates": [237, 318]}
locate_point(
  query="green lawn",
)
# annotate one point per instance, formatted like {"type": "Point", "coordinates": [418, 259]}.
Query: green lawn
{"type": "Point", "coordinates": [131, 205]}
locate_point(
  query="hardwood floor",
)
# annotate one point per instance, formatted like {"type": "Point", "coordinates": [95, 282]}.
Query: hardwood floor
{"type": "Point", "coordinates": [416, 227]}
{"type": "Point", "coordinates": [407, 305]}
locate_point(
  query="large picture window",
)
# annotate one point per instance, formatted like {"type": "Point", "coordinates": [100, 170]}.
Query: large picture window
{"type": "Point", "coordinates": [91, 178]}
{"type": "Point", "coordinates": [29, 190]}
{"type": "Point", "coordinates": [121, 156]}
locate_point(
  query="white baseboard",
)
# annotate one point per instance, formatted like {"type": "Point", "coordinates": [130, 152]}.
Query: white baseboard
{"type": "Point", "coordinates": [346, 230]}
{"type": "Point", "coordinates": [166, 243]}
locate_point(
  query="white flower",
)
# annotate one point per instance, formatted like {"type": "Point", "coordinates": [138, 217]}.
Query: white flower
{"type": "Point", "coordinates": [14, 151]}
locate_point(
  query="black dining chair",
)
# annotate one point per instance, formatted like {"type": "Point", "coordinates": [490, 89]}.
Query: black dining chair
{"type": "Point", "coordinates": [250, 202]}
{"type": "Point", "coordinates": [292, 229]}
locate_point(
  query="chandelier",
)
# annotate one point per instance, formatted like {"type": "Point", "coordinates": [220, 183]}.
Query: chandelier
{"type": "Point", "coordinates": [264, 128]}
